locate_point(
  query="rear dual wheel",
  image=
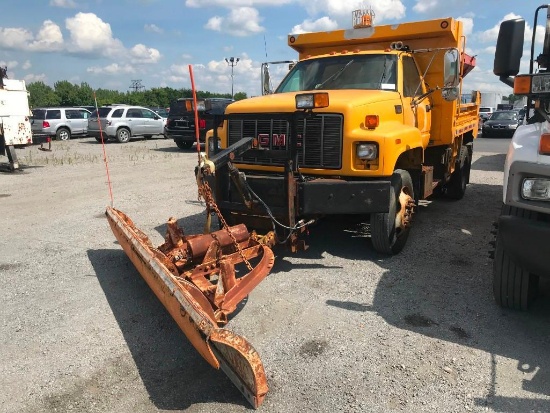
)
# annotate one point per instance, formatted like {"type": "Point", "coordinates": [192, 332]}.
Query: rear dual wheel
{"type": "Point", "coordinates": [390, 230]}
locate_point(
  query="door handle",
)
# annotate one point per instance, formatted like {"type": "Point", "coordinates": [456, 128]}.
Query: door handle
{"type": "Point", "coordinates": [428, 108]}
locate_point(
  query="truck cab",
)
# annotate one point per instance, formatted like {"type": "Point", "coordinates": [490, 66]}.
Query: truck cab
{"type": "Point", "coordinates": [15, 126]}
{"type": "Point", "coordinates": [366, 122]}
{"type": "Point", "coordinates": [523, 229]}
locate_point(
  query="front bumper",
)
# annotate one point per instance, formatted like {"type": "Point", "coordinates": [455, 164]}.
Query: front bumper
{"type": "Point", "coordinates": [497, 132]}
{"type": "Point", "coordinates": [314, 197]}
{"type": "Point", "coordinates": [39, 139]}
{"type": "Point", "coordinates": [183, 136]}
{"type": "Point", "coordinates": [527, 242]}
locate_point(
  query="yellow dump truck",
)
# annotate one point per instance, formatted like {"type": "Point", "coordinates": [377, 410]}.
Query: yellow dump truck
{"type": "Point", "coordinates": [368, 121]}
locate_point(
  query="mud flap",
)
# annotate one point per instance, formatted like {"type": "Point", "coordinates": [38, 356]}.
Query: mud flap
{"type": "Point", "coordinates": [192, 311]}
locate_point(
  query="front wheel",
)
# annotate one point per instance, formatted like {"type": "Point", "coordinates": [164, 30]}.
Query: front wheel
{"type": "Point", "coordinates": [390, 230]}
{"type": "Point", "coordinates": [513, 286]}
{"type": "Point", "coordinates": [123, 135]}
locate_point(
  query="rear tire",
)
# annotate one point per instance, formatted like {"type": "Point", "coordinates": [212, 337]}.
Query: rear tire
{"type": "Point", "coordinates": [184, 144]}
{"type": "Point", "coordinates": [123, 135]}
{"type": "Point", "coordinates": [385, 237]}
{"type": "Point", "coordinates": [513, 287]}
{"type": "Point", "coordinates": [456, 188]}
{"type": "Point", "coordinates": [63, 134]}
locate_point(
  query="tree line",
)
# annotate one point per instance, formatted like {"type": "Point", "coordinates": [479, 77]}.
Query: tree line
{"type": "Point", "coordinates": [65, 93]}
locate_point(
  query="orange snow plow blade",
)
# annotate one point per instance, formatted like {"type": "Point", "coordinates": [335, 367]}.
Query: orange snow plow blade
{"type": "Point", "coordinates": [195, 278]}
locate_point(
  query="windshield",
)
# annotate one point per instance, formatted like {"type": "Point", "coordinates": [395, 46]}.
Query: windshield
{"type": "Point", "coordinates": [371, 71]}
{"type": "Point", "coordinates": [504, 116]}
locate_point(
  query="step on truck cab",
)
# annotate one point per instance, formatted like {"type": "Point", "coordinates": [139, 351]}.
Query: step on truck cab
{"type": "Point", "coordinates": [15, 126]}
{"type": "Point", "coordinates": [368, 121]}
{"type": "Point", "coordinates": [522, 243]}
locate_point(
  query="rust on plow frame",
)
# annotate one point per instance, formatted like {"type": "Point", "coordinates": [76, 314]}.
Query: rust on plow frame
{"type": "Point", "coordinates": [195, 279]}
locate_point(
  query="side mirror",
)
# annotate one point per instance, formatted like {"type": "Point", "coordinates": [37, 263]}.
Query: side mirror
{"type": "Point", "coordinates": [266, 88]}
{"type": "Point", "coordinates": [450, 69]}
{"type": "Point", "coordinates": [509, 48]}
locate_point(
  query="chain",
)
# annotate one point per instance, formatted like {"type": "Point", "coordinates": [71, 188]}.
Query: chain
{"type": "Point", "coordinates": [206, 192]}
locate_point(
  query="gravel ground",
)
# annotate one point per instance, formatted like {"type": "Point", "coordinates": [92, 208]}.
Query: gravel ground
{"type": "Point", "coordinates": [338, 327]}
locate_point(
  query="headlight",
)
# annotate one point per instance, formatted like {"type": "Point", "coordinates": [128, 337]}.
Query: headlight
{"type": "Point", "coordinates": [312, 100]}
{"type": "Point", "coordinates": [513, 126]}
{"type": "Point", "coordinates": [367, 151]}
{"type": "Point", "coordinates": [536, 189]}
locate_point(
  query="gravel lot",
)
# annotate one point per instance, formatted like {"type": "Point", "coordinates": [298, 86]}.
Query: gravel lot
{"type": "Point", "coordinates": [338, 327]}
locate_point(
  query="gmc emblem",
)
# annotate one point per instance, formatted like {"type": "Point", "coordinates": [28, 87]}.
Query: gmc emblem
{"type": "Point", "coordinates": [278, 140]}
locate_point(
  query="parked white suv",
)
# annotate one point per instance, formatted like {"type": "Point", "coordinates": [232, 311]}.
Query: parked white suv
{"type": "Point", "coordinates": [58, 122]}
{"type": "Point", "coordinates": [122, 122]}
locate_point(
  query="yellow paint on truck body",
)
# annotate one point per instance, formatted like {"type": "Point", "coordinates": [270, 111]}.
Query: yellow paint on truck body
{"type": "Point", "coordinates": [402, 127]}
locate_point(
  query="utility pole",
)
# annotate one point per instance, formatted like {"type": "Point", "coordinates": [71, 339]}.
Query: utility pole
{"type": "Point", "coordinates": [136, 85]}
{"type": "Point", "coordinates": [232, 61]}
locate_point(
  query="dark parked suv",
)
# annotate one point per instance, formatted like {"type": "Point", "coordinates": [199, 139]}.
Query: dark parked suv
{"type": "Point", "coordinates": [180, 125]}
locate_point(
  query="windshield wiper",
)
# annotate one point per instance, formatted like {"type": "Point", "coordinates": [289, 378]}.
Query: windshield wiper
{"type": "Point", "coordinates": [334, 76]}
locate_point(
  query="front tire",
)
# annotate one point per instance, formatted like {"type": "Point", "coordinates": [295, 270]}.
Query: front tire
{"type": "Point", "coordinates": [123, 135]}
{"type": "Point", "coordinates": [63, 134]}
{"type": "Point", "coordinates": [390, 230]}
{"type": "Point", "coordinates": [513, 287]}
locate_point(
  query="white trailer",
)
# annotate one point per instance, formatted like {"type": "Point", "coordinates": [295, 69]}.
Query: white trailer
{"type": "Point", "coordinates": [15, 126]}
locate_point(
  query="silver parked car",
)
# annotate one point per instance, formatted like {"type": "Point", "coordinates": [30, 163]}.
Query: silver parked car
{"type": "Point", "coordinates": [59, 123]}
{"type": "Point", "coordinates": [122, 122]}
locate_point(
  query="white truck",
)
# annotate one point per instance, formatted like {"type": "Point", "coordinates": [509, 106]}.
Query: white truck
{"type": "Point", "coordinates": [15, 126]}
{"type": "Point", "coordinates": [522, 243]}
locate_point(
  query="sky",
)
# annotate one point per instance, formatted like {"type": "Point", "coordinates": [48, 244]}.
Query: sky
{"type": "Point", "coordinates": [110, 44]}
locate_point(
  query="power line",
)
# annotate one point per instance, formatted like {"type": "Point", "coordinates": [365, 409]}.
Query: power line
{"type": "Point", "coordinates": [136, 85]}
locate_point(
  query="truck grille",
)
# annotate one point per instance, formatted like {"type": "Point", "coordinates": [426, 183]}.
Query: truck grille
{"type": "Point", "coordinates": [319, 139]}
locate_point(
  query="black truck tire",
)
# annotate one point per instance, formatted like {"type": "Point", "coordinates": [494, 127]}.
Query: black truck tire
{"type": "Point", "coordinates": [456, 188]}
{"type": "Point", "coordinates": [385, 238]}
{"type": "Point", "coordinates": [513, 287]}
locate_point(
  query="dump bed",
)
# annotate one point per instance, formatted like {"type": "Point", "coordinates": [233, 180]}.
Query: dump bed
{"type": "Point", "coordinates": [426, 39]}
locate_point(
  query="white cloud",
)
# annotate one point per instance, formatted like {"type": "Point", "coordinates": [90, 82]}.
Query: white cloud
{"type": "Point", "coordinates": [153, 28]}
{"type": "Point", "coordinates": [341, 10]}
{"type": "Point", "coordinates": [35, 78]}
{"type": "Point", "coordinates": [467, 25]}
{"type": "Point", "coordinates": [15, 38]}
{"type": "Point", "coordinates": [48, 39]}
{"type": "Point", "coordinates": [12, 64]}
{"type": "Point", "coordinates": [242, 21]}
{"type": "Point", "coordinates": [90, 34]}
{"type": "Point", "coordinates": [143, 54]}
{"type": "Point", "coordinates": [322, 24]}
{"type": "Point", "coordinates": [235, 3]}
{"type": "Point", "coordinates": [66, 4]}
{"type": "Point", "coordinates": [422, 6]}
{"type": "Point", "coordinates": [26, 65]}
{"type": "Point", "coordinates": [112, 69]}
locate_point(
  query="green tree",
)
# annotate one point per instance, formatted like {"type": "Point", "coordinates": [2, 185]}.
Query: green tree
{"type": "Point", "coordinates": [240, 96]}
{"type": "Point", "coordinates": [67, 92]}
{"type": "Point", "coordinates": [41, 94]}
